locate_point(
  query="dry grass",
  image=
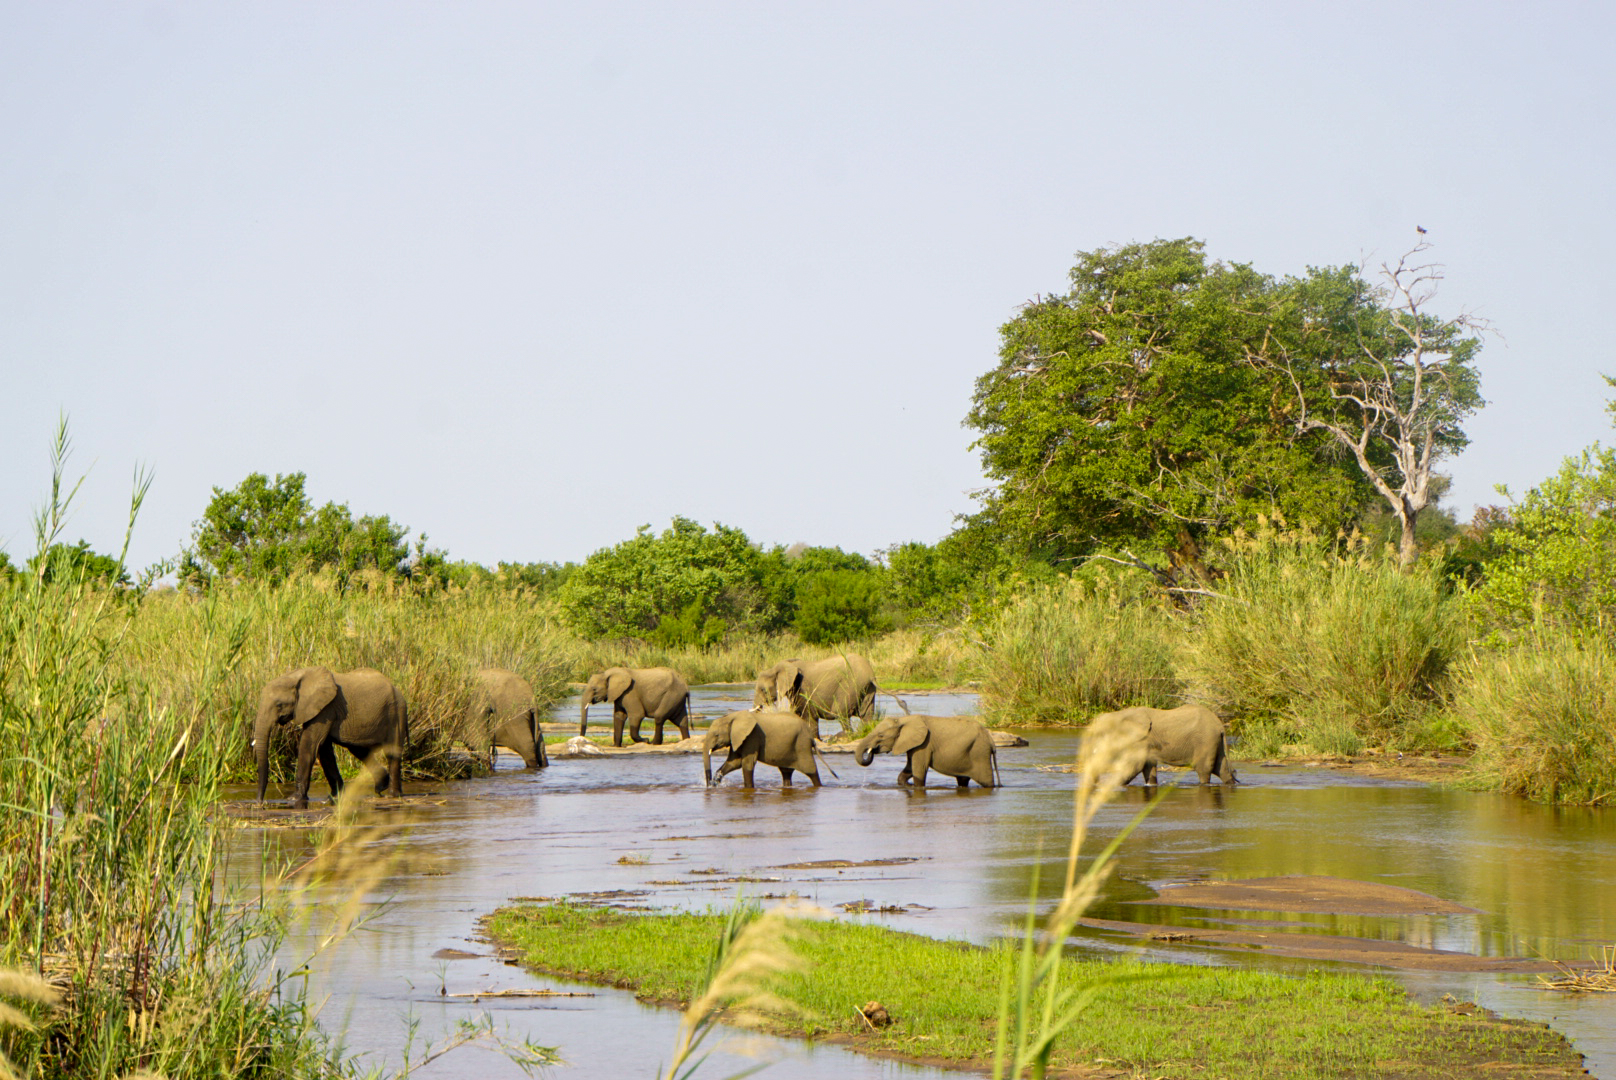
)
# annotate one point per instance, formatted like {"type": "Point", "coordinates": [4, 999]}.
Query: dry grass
{"type": "Point", "coordinates": [1597, 980]}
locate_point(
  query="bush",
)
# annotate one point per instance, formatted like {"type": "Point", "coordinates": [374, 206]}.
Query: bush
{"type": "Point", "coordinates": [1558, 561]}
{"type": "Point", "coordinates": [1543, 718]}
{"type": "Point", "coordinates": [839, 605]}
{"type": "Point", "coordinates": [1059, 652]}
{"type": "Point", "coordinates": [1340, 647]}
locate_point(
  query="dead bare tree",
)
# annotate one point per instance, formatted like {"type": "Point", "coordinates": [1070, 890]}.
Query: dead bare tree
{"type": "Point", "coordinates": [1390, 382]}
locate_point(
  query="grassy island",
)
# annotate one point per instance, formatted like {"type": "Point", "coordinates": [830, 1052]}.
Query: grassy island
{"type": "Point", "coordinates": [1156, 1020]}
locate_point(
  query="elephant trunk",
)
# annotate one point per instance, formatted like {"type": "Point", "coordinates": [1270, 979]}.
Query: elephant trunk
{"type": "Point", "coordinates": [707, 759]}
{"type": "Point", "coordinates": [866, 751]}
{"type": "Point", "coordinates": [261, 729]}
{"type": "Point", "coordinates": [583, 715]}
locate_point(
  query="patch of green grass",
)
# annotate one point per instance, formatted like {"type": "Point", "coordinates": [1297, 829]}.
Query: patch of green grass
{"type": "Point", "coordinates": [1164, 1020]}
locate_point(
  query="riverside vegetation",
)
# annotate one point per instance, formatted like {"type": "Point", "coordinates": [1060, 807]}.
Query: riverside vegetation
{"type": "Point", "coordinates": [1308, 645]}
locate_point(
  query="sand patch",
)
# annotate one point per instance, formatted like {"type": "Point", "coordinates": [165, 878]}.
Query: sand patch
{"type": "Point", "coordinates": [1322, 895]}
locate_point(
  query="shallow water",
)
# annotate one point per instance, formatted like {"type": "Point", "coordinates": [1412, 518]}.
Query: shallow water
{"type": "Point", "coordinates": [1542, 880]}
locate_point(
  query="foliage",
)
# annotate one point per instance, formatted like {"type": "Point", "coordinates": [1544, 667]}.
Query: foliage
{"type": "Point", "coordinates": [1331, 640]}
{"type": "Point", "coordinates": [7, 571]}
{"type": "Point", "coordinates": [963, 575]}
{"type": "Point", "coordinates": [627, 590]}
{"type": "Point", "coordinates": [1543, 717]}
{"type": "Point", "coordinates": [839, 605]}
{"type": "Point", "coordinates": [1058, 653]}
{"type": "Point", "coordinates": [1558, 561]}
{"type": "Point", "coordinates": [1386, 380]}
{"type": "Point", "coordinates": [1127, 410]}
{"type": "Point", "coordinates": [76, 562]}
{"type": "Point", "coordinates": [263, 530]}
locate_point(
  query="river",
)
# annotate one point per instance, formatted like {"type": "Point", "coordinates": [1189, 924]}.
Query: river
{"type": "Point", "coordinates": [1542, 881]}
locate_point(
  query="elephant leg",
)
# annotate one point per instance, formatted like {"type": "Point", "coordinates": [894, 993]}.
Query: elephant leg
{"type": "Point", "coordinates": [327, 755]}
{"type": "Point", "coordinates": [395, 773]}
{"type": "Point", "coordinates": [1149, 770]}
{"type": "Point", "coordinates": [656, 736]}
{"type": "Point", "coordinates": [308, 746]}
{"type": "Point", "coordinates": [635, 716]}
{"type": "Point", "coordinates": [905, 777]}
{"type": "Point", "coordinates": [748, 764]}
{"type": "Point", "coordinates": [963, 781]}
{"type": "Point", "coordinates": [730, 765]}
{"type": "Point", "coordinates": [919, 763]}
{"type": "Point", "coordinates": [785, 775]}
{"type": "Point", "coordinates": [618, 716]}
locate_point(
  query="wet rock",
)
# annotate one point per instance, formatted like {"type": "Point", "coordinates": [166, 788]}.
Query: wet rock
{"type": "Point", "coordinates": [455, 954]}
{"type": "Point", "coordinates": [577, 746]}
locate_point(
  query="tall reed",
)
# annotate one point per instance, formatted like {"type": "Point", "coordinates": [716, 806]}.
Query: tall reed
{"type": "Point", "coordinates": [1058, 653]}
{"type": "Point", "coordinates": [108, 853]}
{"type": "Point", "coordinates": [1339, 646]}
{"type": "Point", "coordinates": [1543, 717]}
{"type": "Point", "coordinates": [431, 646]}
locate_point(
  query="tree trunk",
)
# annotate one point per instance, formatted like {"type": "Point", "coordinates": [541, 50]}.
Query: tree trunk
{"type": "Point", "coordinates": [1408, 552]}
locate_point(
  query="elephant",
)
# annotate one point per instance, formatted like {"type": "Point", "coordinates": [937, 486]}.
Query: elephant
{"type": "Point", "coordinates": [636, 693]}
{"type": "Point", "coordinates": [784, 740]}
{"type": "Point", "coordinates": [957, 746]}
{"type": "Point", "coordinates": [504, 713]}
{"type": "Point", "coordinates": [836, 688]}
{"type": "Point", "coordinates": [1188, 735]}
{"type": "Point", "coordinates": [360, 710]}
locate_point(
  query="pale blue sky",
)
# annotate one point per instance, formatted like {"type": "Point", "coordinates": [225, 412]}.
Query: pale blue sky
{"type": "Point", "coordinates": [526, 276]}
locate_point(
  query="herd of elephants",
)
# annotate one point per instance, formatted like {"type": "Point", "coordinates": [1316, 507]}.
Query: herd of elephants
{"type": "Point", "coordinates": [366, 714]}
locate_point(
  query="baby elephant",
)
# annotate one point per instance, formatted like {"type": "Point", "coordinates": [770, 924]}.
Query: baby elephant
{"type": "Point", "coordinates": [957, 746]}
{"type": "Point", "coordinates": [1190, 735]}
{"type": "Point", "coordinates": [784, 740]}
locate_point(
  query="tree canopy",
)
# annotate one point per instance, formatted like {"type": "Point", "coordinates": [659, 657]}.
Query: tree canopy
{"type": "Point", "coordinates": [1129, 410]}
{"type": "Point", "coordinates": [263, 530]}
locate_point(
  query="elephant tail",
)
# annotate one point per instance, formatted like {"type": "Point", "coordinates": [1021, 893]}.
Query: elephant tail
{"type": "Point", "coordinates": [993, 760]}
{"type": "Point", "coordinates": [814, 750]}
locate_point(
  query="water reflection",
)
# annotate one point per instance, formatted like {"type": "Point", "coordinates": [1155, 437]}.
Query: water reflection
{"type": "Point", "coordinates": [1542, 880]}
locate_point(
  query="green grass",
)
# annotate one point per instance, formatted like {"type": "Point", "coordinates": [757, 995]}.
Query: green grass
{"type": "Point", "coordinates": [1339, 647]}
{"type": "Point", "coordinates": [1543, 716]}
{"type": "Point", "coordinates": [1157, 1019]}
{"type": "Point", "coordinates": [1059, 653]}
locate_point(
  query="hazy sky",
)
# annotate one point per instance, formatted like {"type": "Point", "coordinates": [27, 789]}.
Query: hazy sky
{"type": "Point", "coordinates": [525, 276]}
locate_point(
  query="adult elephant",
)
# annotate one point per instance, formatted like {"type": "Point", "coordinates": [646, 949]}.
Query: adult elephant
{"type": "Point", "coordinates": [1190, 735]}
{"type": "Point", "coordinates": [503, 711]}
{"type": "Point", "coordinates": [957, 746]}
{"type": "Point", "coordinates": [784, 740]}
{"type": "Point", "coordinates": [835, 688]}
{"type": "Point", "coordinates": [360, 710]}
{"type": "Point", "coordinates": [637, 693]}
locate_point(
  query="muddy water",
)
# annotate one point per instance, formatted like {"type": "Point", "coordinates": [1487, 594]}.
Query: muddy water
{"type": "Point", "coordinates": [1542, 882]}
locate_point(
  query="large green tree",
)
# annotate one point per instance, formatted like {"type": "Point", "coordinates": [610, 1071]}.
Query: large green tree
{"type": "Point", "coordinates": [689, 576]}
{"type": "Point", "coordinates": [1129, 410]}
{"type": "Point", "coordinates": [263, 530]}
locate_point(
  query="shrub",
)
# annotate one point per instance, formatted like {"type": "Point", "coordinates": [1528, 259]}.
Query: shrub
{"type": "Point", "coordinates": [839, 605]}
{"type": "Point", "coordinates": [1059, 652]}
{"type": "Point", "coordinates": [1340, 646]}
{"type": "Point", "coordinates": [1543, 718]}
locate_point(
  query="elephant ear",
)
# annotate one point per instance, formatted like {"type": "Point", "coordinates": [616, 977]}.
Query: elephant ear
{"type": "Point", "coordinates": [789, 679]}
{"type": "Point", "coordinates": [912, 735]}
{"type": "Point", "coordinates": [741, 727]}
{"type": "Point", "coordinates": [619, 681]}
{"type": "Point", "coordinates": [316, 690]}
